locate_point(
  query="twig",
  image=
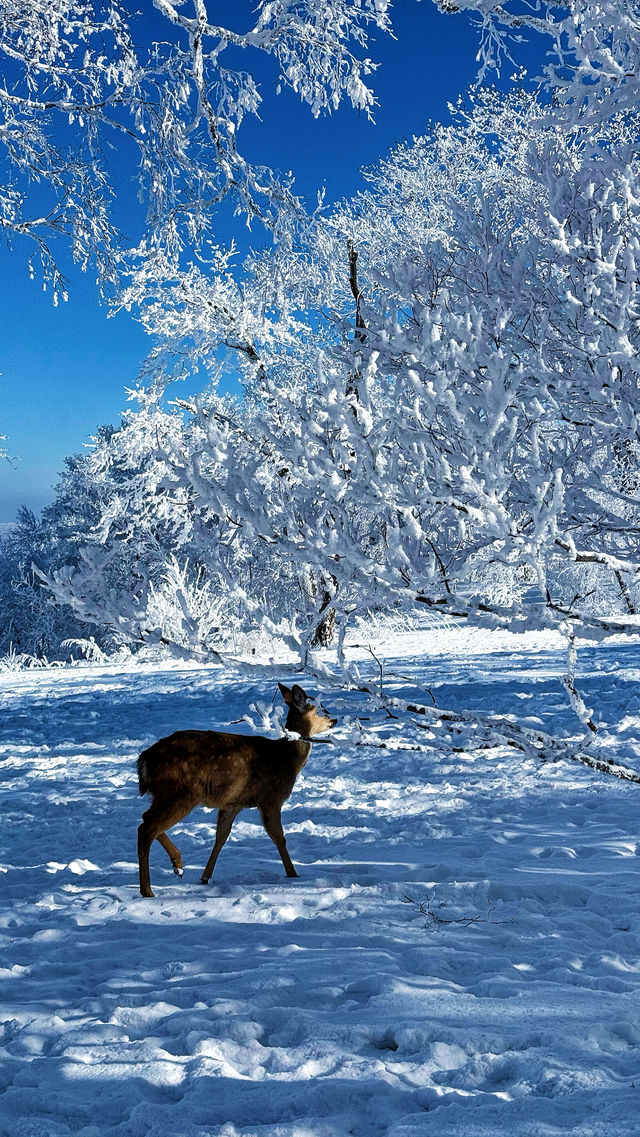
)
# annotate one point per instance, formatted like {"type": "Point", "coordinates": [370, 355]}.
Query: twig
{"type": "Point", "coordinates": [367, 647]}
{"type": "Point", "coordinates": [384, 746]}
{"type": "Point", "coordinates": [425, 908]}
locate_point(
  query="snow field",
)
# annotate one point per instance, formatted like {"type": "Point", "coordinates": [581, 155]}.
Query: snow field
{"type": "Point", "coordinates": [501, 997]}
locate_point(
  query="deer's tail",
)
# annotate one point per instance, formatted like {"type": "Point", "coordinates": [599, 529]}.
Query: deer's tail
{"type": "Point", "coordinates": [157, 768]}
{"type": "Point", "coordinates": [144, 783]}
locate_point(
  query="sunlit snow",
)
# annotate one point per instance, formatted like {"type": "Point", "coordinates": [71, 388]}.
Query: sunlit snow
{"type": "Point", "coordinates": [460, 955]}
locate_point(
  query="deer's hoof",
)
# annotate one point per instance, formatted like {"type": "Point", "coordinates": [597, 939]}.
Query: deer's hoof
{"type": "Point", "coordinates": [205, 879]}
{"type": "Point", "coordinates": [178, 871]}
{"type": "Point", "coordinates": [292, 873]}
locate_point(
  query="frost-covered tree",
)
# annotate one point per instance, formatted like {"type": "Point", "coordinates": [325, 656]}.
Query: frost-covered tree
{"type": "Point", "coordinates": [157, 567]}
{"type": "Point", "coordinates": [438, 400]}
{"type": "Point", "coordinates": [440, 386]}
{"type": "Point", "coordinates": [31, 625]}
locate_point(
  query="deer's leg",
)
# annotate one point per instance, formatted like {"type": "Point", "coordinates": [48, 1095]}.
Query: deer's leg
{"type": "Point", "coordinates": [159, 816]}
{"type": "Point", "coordinates": [270, 815]}
{"type": "Point", "coordinates": [172, 852]}
{"type": "Point", "coordinates": [226, 818]}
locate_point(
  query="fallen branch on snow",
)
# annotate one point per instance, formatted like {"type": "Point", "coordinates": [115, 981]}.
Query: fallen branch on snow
{"type": "Point", "coordinates": [534, 743]}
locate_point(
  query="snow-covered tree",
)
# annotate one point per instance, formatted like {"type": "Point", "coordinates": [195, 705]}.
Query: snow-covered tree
{"type": "Point", "coordinates": [31, 625]}
{"type": "Point", "coordinates": [439, 401]}
{"type": "Point", "coordinates": [440, 387]}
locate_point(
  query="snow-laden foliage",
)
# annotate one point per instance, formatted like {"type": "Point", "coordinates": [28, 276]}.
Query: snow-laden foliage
{"type": "Point", "coordinates": [157, 568]}
{"type": "Point", "coordinates": [86, 95]}
{"type": "Point", "coordinates": [594, 59]}
{"type": "Point", "coordinates": [85, 91]}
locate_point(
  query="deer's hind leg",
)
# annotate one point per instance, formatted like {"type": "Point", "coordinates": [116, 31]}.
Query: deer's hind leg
{"type": "Point", "coordinates": [226, 818]}
{"type": "Point", "coordinates": [174, 854]}
{"type": "Point", "coordinates": [161, 815]}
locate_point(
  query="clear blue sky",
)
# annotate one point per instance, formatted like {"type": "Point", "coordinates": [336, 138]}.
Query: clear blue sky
{"type": "Point", "coordinates": [64, 369]}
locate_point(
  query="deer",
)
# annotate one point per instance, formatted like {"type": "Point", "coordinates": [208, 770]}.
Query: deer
{"type": "Point", "coordinates": [229, 772]}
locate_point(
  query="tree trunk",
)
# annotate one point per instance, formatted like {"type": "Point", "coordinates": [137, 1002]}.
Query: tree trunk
{"type": "Point", "coordinates": [325, 629]}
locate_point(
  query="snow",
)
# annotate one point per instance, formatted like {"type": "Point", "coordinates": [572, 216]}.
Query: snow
{"type": "Point", "coordinates": [460, 955]}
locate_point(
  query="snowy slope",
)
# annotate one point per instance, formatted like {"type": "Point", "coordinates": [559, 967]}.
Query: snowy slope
{"type": "Point", "coordinates": [327, 1005]}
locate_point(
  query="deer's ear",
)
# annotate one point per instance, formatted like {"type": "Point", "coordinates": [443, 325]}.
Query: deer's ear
{"type": "Point", "coordinates": [286, 694]}
{"type": "Point", "coordinates": [299, 697]}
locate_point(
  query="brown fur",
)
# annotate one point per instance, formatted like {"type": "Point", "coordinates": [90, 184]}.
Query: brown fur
{"type": "Point", "coordinates": [229, 772]}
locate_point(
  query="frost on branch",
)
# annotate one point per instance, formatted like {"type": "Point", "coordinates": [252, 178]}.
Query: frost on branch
{"type": "Point", "coordinates": [85, 93]}
{"type": "Point", "coordinates": [593, 68]}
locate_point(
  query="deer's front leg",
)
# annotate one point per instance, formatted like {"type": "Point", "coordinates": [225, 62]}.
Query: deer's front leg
{"type": "Point", "coordinates": [270, 815]}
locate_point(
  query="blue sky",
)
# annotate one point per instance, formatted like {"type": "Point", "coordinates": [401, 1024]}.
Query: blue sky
{"type": "Point", "coordinates": [64, 369]}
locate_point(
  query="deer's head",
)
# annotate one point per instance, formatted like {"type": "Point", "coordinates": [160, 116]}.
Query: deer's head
{"type": "Point", "coordinates": [304, 717]}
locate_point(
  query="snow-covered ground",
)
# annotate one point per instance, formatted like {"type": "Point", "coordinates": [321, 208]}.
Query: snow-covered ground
{"type": "Point", "coordinates": [331, 1004]}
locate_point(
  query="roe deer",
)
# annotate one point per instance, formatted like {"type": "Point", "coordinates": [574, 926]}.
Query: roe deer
{"type": "Point", "coordinates": [227, 771]}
